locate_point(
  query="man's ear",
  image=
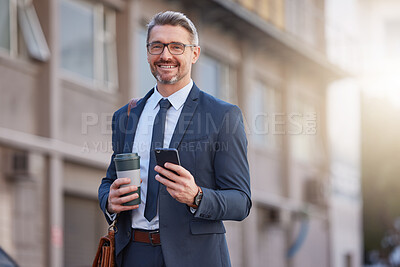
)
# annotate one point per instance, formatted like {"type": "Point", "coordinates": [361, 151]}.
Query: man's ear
{"type": "Point", "coordinates": [196, 54]}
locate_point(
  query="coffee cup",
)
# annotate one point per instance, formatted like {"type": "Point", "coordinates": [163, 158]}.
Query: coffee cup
{"type": "Point", "coordinates": [128, 166]}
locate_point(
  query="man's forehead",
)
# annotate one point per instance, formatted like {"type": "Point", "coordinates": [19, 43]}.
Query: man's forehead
{"type": "Point", "coordinates": [170, 32]}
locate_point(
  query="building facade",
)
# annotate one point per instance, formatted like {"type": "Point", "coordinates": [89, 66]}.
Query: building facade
{"type": "Point", "coordinates": [67, 65]}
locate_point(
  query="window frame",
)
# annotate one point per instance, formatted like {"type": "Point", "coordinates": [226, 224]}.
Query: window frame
{"type": "Point", "coordinates": [35, 41]}
{"type": "Point", "coordinates": [226, 70]}
{"type": "Point", "coordinates": [104, 49]}
{"type": "Point", "coordinates": [13, 30]}
{"type": "Point", "coordinates": [26, 34]}
{"type": "Point", "coordinates": [272, 106]}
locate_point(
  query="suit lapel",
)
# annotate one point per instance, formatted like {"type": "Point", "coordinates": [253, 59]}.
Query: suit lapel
{"type": "Point", "coordinates": [133, 120]}
{"type": "Point", "coordinates": [186, 116]}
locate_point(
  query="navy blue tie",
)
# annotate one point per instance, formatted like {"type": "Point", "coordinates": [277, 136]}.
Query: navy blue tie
{"type": "Point", "coordinates": [157, 141]}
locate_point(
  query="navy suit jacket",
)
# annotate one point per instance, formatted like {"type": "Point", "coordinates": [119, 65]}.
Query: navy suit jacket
{"type": "Point", "coordinates": [212, 144]}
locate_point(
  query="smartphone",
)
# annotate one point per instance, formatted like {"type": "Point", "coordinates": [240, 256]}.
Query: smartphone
{"type": "Point", "coordinates": [164, 155]}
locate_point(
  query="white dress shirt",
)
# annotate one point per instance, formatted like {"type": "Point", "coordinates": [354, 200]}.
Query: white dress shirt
{"type": "Point", "coordinates": [142, 144]}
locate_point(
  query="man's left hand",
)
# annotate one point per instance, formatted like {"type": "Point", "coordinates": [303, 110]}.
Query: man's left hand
{"type": "Point", "coordinates": [181, 187]}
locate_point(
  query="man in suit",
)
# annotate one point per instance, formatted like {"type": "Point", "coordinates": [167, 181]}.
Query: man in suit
{"type": "Point", "coordinates": [179, 221]}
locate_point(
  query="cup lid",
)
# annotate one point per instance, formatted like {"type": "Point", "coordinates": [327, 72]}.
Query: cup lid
{"type": "Point", "coordinates": [126, 156]}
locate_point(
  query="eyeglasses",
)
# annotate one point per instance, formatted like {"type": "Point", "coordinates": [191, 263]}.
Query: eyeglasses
{"type": "Point", "coordinates": [157, 48]}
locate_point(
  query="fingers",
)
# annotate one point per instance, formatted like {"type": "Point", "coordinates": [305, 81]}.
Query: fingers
{"type": "Point", "coordinates": [120, 181]}
{"type": "Point", "coordinates": [125, 199]}
{"type": "Point", "coordinates": [115, 204]}
{"type": "Point", "coordinates": [167, 183]}
{"type": "Point", "coordinates": [167, 173]}
{"type": "Point", "coordinates": [118, 187]}
{"type": "Point", "coordinates": [125, 190]}
{"type": "Point", "coordinates": [169, 169]}
{"type": "Point", "coordinates": [115, 198]}
{"type": "Point", "coordinates": [125, 208]}
{"type": "Point", "coordinates": [177, 168]}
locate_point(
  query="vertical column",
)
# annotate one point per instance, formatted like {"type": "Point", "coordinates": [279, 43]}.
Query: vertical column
{"type": "Point", "coordinates": [56, 211]}
{"type": "Point", "coordinates": [287, 216]}
{"type": "Point", "coordinates": [49, 108]}
{"type": "Point", "coordinates": [249, 226]}
{"type": "Point", "coordinates": [48, 87]}
{"type": "Point", "coordinates": [56, 196]}
{"type": "Point", "coordinates": [127, 25]}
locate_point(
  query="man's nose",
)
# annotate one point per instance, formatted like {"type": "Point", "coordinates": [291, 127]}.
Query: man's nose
{"type": "Point", "coordinates": [166, 54]}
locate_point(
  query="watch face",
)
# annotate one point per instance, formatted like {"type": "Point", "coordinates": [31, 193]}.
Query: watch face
{"type": "Point", "coordinates": [197, 199]}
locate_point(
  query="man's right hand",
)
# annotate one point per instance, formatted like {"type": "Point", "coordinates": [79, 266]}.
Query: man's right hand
{"type": "Point", "coordinates": [115, 200]}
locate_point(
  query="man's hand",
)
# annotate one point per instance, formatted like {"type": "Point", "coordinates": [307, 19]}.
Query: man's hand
{"type": "Point", "coordinates": [182, 187]}
{"type": "Point", "coordinates": [115, 200]}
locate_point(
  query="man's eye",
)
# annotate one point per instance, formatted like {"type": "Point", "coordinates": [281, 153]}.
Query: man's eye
{"type": "Point", "coordinates": [177, 47]}
{"type": "Point", "coordinates": [156, 46]}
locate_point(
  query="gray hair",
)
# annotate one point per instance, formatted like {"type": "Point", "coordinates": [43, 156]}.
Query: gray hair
{"type": "Point", "coordinates": [175, 19]}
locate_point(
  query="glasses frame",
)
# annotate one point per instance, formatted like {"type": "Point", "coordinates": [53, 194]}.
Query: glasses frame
{"type": "Point", "coordinates": [167, 45]}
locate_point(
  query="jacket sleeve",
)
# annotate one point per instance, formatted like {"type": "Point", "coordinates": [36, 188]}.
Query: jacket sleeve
{"type": "Point", "coordinates": [232, 199]}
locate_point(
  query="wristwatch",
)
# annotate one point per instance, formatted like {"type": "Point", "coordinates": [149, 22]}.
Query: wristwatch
{"type": "Point", "coordinates": [197, 199]}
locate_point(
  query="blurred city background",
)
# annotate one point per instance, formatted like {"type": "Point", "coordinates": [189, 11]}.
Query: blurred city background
{"type": "Point", "coordinates": [317, 81]}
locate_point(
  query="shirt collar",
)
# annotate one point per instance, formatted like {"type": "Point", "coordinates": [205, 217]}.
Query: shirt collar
{"type": "Point", "coordinates": [177, 99]}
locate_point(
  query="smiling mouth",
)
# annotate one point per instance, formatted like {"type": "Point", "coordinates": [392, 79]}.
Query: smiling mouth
{"type": "Point", "coordinates": [167, 66]}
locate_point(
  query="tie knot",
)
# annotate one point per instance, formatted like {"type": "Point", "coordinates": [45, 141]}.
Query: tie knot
{"type": "Point", "coordinates": [164, 104]}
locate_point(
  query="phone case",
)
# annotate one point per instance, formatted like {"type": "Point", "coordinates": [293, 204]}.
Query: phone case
{"type": "Point", "coordinates": [164, 155]}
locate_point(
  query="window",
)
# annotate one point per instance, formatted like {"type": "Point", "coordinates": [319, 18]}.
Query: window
{"type": "Point", "coordinates": [32, 32]}
{"type": "Point", "coordinates": [25, 17]}
{"type": "Point", "coordinates": [145, 78]}
{"type": "Point", "coordinates": [306, 142]}
{"type": "Point", "coordinates": [88, 43]}
{"type": "Point", "coordinates": [303, 20]}
{"type": "Point", "coordinates": [8, 14]}
{"type": "Point", "coordinates": [217, 78]}
{"type": "Point", "coordinates": [266, 120]}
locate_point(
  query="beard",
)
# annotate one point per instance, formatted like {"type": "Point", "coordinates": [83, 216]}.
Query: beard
{"type": "Point", "coordinates": [158, 76]}
{"type": "Point", "coordinates": [172, 80]}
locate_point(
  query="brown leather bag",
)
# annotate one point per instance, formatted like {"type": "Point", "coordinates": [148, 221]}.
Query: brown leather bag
{"type": "Point", "coordinates": [105, 256]}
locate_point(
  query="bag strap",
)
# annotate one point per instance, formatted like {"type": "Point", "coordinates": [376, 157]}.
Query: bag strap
{"type": "Point", "coordinates": [113, 226]}
{"type": "Point", "coordinates": [132, 104]}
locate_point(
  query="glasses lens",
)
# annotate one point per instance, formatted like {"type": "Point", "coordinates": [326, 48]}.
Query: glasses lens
{"type": "Point", "coordinates": [155, 48]}
{"type": "Point", "coordinates": [176, 48]}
